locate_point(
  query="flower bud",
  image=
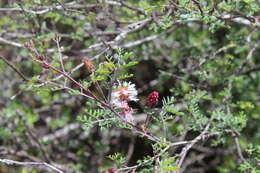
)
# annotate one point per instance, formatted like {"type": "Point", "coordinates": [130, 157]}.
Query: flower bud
{"type": "Point", "coordinates": [152, 100]}
{"type": "Point", "coordinates": [45, 65]}
{"type": "Point", "coordinates": [89, 65]}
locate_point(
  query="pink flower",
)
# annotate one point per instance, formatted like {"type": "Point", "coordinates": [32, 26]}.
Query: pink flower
{"type": "Point", "coordinates": [128, 115]}
{"type": "Point", "coordinates": [121, 95]}
{"type": "Point", "coordinates": [123, 105]}
{"type": "Point", "coordinates": [124, 92]}
{"type": "Point", "coordinates": [152, 100]}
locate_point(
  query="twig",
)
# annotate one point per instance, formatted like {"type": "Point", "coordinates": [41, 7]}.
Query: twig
{"type": "Point", "coordinates": [210, 57]}
{"type": "Point", "coordinates": [188, 147]}
{"type": "Point", "coordinates": [13, 162]}
{"type": "Point", "coordinates": [75, 68]}
{"type": "Point", "coordinates": [45, 9]}
{"type": "Point", "coordinates": [138, 42]}
{"type": "Point", "coordinates": [167, 148]}
{"type": "Point", "coordinates": [92, 96]}
{"type": "Point", "coordinates": [132, 8]}
{"type": "Point", "coordinates": [61, 132]}
{"type": "Point", "coordinates": [239, 152]}
{"type": "Point", "coordinates": [15, 44]}
{"type": "Point", "coordinates": [198, 5]}
{"type": "Point", "coordinates": [18, 44]}
{"type": "Point", "coordinates": [14, 68]}
{"type": "Point", "coordinates": [35, 139]}
{"type": "Point", "coordinates": [57, 40]}
{"type": "Point", "coordinates": [248, 57]}
{"type": "Point", "coordinates": [32, 136]}
{"type": "Point", "coordinates": [250, 71]}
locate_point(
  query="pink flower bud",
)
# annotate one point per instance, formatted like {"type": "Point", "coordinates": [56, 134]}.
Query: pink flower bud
{"type": "Point", "coordinates": [45, 65]}
{"type": "Point", "coordinates": [152, 100]}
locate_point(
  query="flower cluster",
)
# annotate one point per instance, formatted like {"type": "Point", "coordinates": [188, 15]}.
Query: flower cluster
{"type": "Point", "coordinates": [124, 92]}
{"type": "Point", "coordinates": [121, 95]}
{"type": "Point", "coordinates": [152, 100]}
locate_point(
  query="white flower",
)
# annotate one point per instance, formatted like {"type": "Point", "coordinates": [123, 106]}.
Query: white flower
{"type": "Point", "coordinates": [121, 95]}
{"type": "Point", "coordinates": [124, 92]}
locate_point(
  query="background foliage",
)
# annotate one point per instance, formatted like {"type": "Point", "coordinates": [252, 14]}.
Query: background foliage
{"type": "Point", "coordinates": [201, 56]}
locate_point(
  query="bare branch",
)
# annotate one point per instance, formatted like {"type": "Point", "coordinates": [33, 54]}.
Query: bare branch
{"type": "Point", "coordinates": [239, 150]}
{"type": "Point", "coordinates": [71, 5]}
{"type": "Point", "coordinates": [132, 8]}
{"type": "Point", "coordinates": [14, 68]}
{"type": "Point", "coordinates": [188, 147]}
{"type": "Point", "coordinates": [13, 162]}
{"type": "Point", "coordinates": [15, 44]}
{"type": "Point", "coordinates": [250, 71]}
{"type": "Point", "coordinates": [61, 132]}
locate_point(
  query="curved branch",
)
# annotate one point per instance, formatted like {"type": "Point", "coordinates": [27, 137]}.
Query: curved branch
{"type": "Point", "coordinates": [13, 162]}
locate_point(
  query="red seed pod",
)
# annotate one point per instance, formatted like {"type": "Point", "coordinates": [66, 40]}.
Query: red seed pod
{"type": "Point", "coordinates": [152, 100]}
{"type": "Point", "coordinates": [89, 65]}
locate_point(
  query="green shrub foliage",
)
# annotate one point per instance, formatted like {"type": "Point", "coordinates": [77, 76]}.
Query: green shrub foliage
{"type": "Point", "coordinates": [129, 86]}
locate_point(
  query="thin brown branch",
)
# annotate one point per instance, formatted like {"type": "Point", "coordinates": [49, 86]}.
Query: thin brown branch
{"type": "Point", "coordinates": [198, 5]}
{"type": "Point", "coordinates": [132, 8]}
{"type": "Point", "coordinates": [105, 105]}
{"type": "Point", "coordinates": [14, 68]}
{"type": "Point", "coordinates": [250, 71]}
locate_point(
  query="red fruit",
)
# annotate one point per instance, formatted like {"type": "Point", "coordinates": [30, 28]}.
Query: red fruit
{"type": "Point", "coordinates": [152, 100]}
{"type": "Point", "coordinates": [89, 65]}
